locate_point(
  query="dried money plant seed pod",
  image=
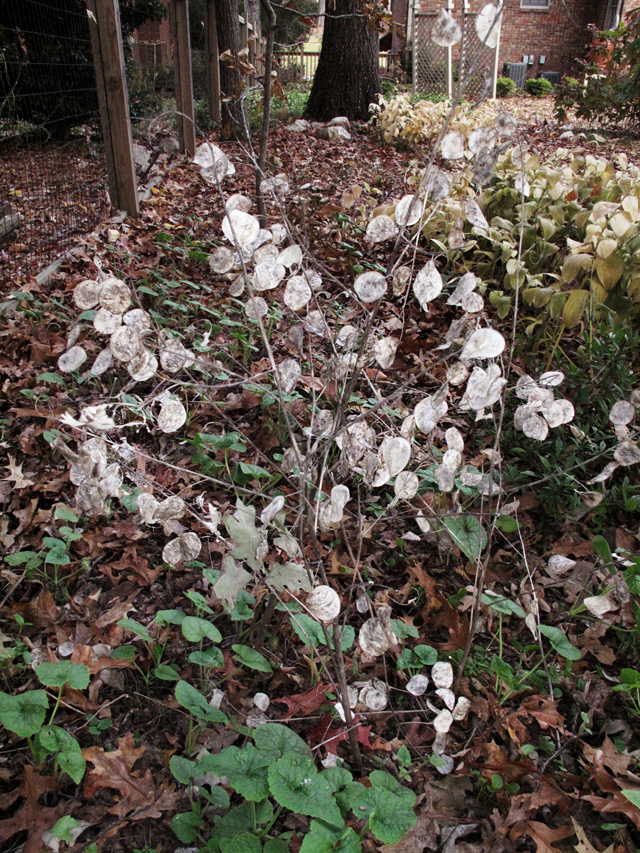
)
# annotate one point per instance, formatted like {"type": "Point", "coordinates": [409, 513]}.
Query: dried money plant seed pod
{"type": "Point", "coordinates": [115, 296]}
{"type": "Point", "coordinates": [370, 286]}
{"type": "Point", "coordinates": [72, 359]}
{"type": "Point", "coordinates": [324, 603]}
{"type": "Point", "coordinates": [297, 293]}
{"type": "Point", "coordinates": [125, 343]}
{"type": "Point", "coordinates": [173, 415]}
{"type": "Point", "coordinates": [86, 294]}
{"type": "Point", "coordinates": [105, 322]}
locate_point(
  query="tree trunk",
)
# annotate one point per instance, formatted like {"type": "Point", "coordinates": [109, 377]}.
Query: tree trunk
{"type": "Point", "coordinates": [348, 75]}
{"type": "Point", "coordinates": [233, 117]}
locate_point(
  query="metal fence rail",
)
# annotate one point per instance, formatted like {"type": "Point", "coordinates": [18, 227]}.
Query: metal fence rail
{"type": "Point", "coordinates": [52, 172]}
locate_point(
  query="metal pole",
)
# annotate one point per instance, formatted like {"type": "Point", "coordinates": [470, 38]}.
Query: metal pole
{"type": "Point", "coordinates": [414, 52]}
{"type": "Point", "coordinates": [450, 59]}
{"type": "Point", "coordinates": [496, 58]}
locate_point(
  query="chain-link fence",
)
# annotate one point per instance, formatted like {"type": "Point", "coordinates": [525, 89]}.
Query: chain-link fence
{"type": "Point", "coordinates": [52, 170]}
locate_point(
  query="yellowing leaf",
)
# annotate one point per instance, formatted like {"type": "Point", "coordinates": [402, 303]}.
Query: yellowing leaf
{"type": "Point", "coordinates": [574, 308]}
{"type": "Point", "coordinates": [606, 247]}
{"type": "Point", "coordinates": [620, 223]}
{"type": "Point", "coordinates": [572, 266]}
{"type": "Point", "coordinates": [610, 270]}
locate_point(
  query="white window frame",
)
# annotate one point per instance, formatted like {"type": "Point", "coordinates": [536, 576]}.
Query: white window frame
{"type": "Point", "coordinates": [530, 5]}
{"type": "Point", "coordinates": [614, 13]}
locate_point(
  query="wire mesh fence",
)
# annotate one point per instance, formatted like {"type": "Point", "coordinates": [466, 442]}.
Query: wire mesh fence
{"type": "Point", "coordinates": [52, 169]}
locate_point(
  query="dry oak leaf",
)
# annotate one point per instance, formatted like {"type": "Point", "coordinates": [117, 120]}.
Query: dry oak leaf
{"type": "Point", "coordinates": [608, 756]}
{"type": "Point", "coordinates": [543, 835]}
{"type": "Point", "coordinates": [137, 792]}
{"type": "Point", "coordinates": [619, 803]}
{"type": "Point", "coordinates": [32, 817]}
{"type": "Point", "coordinates": [16, 475]}
{"type": "Point", "coordinates": [584, 845]}
{"type": "Point", "coordinates": [548, 794]}
{"type": "Point", "coordinates": [304, 703]}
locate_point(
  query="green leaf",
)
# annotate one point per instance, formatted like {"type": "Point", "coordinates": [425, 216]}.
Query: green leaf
{"type": "Point", "coordinates": [191, 699]}
{"type": "Point", "coordinates": [502, 605]}
{"type": "Point", "coordinates": [195, 629]}
{"type": "Point", "coordinates": [337, 777]}
{"type": "Point", "coordinates": [323, 838]}
{"type": "Point", "coordinates": [629, 676]}
{"type": "Point", "coordinates": [560, 643]}
{"type": "Point", "coordinates": [69, 758]}
{"type": "Point", "coordinates": [137, 629]}
{"type": "Point", "coordinates": [632, 579]}
{"type": "Point", "coordinates": [58, 674]}
{"type": "Point", "coordinates": [389, 815]}
{"type": "Point", "coordinates": [407, 659]}
{"type": "Point", "coordinates": [62, 829]}
{"type": "Point", "coordinates": [167, 673]}
{"type": "Point", "coordinates": [427, 655]}
{"type": "Point", "coordinates": [65, 514]}
{"type": "Point", "coordinates": [210, 658]}
{"type": "Point", "coordinates": [468, 534]}
{"type": "Point", "coordinates": [278, 740]}
{"type": "Point", "coordinates": [251, 658]}
{"type": "Point", "coordinates": [185, 825]}
{"type": "Point", "coordinates": [502, 669]}
{"type": "Point", "coordinates": [402, 630]}
{"type": "Point", "coordinates": [381, 779]}
{"type": "Point", "coordinates": [199, 600]}
{"type": "Point", "coordinates": [245, 768]}
{"type": "Point", "coordinates": [54, 378]}
{"type": "Point", "coordinates": [21, 557]}
{"type": "Point", "coordinates": [239, 819]}
{"type": "Point", "coordinates": [308, 630]}
{"type": "Point", "coordinates": [506, 523]}
{"type": "Point", "coordinates": [601, 547]}
{"type": "Point", "coordinates": [184, 770]}
{"type": "Point", "coordinates": [276, 845]}
{"type": "Point", "coordinates": [24, 713]}
{"type": "Point", "coordinates": [296, 784]}
{"type": "Point", "coordinates": [170, 617]}
{"type": "Point", "coordinates": [632, 796]}
{"type": "Point", "coordinates": [246, 842]}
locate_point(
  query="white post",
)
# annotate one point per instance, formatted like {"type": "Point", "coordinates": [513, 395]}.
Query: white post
{"type": "Point", "coordinates": [496, 58]}
{"type": "Point", "coordinates": [414, 52]}
{"type": "Point", "coordinates": [450, 60]}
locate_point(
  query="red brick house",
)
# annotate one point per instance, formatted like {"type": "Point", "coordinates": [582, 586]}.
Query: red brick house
{"type": "Point", "coordinates": [551, 34]}
{"type": "Point", "coordinates": [152, 42]}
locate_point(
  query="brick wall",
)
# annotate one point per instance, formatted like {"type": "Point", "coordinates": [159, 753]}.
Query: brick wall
{"type": "Point", "coordinates": [153, 41]}
{"type": "Point", "coordinates": [560, 32]}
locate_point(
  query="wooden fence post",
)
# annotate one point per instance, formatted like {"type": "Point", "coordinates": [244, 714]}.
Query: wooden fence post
{"type": "Point", "coordinates": [213, 61]}
{"type": "Point", "coordinates": [179, 14]}
{"type": "Point", "coordinates": [113, 100]}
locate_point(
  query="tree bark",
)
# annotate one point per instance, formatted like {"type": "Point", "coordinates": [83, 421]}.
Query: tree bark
{"type": "Point", "coordinates": [348, 76]}
{"type": "Point", "coordinates": [252, 9]}
{"type": "Point", "coordinates": [233, 114]}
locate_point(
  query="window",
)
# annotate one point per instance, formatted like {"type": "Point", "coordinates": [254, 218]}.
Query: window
{"type": "Point", "coordinates": [614, 10]}
{"type": "Point", "coordinates": [534, 4]}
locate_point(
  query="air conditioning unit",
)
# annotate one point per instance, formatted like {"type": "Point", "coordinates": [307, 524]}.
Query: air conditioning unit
{"type": "Point", "coordinates": [516, 71]}
{"type": "Point", "coordinates": [552, 76]}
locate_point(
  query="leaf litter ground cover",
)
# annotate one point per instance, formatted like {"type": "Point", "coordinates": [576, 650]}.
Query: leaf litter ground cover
{"type": "Point", "coordinates": [158, 606]}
